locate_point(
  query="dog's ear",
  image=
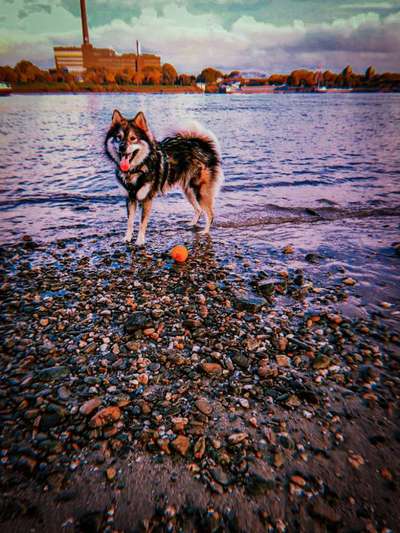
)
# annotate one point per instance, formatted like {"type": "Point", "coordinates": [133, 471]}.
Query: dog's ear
{"type": "Point", "coordinates": [117, 118]}
{"type": "Point", "coordinates": [141, 122]}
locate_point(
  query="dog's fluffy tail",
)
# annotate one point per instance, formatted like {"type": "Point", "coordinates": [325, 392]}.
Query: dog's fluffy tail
{"type": "Point", "coordinates": [195, 130]}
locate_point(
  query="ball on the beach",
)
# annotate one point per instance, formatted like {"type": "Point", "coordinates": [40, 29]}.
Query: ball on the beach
{"type": "Point", "coordinates": [179, 253]}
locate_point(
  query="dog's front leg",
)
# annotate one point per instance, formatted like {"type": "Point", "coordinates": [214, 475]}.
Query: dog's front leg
{"type": "Point", "coordinates": [131, 208]}
{"type": "Point", "coordinates": [146, 208]}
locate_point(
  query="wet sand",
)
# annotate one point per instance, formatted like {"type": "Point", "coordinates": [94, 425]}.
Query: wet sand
{"type": "Point", "coordinates": [140, 395]}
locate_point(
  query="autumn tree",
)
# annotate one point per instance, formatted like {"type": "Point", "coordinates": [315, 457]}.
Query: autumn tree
{"type": "Point", "coordinates": [209, 75]}
{"type": "Point", "coordinates": [169, 74]}
{"type": "Point", "coordinates": [8, 75]}
{"type": "Point", "coordinates": [186, 79]}
{"type": "Point", "coordinates": [302, 78]}
{"type": "Point", "coordinates": [370, 73]}
{"type": "Point", "coordinates": [278, 79]}
{"type": "Point", "coordinates": [152, 75]}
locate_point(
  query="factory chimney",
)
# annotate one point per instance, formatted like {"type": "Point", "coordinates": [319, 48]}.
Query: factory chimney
{"type": "Point", "coordinates": [85, 30]}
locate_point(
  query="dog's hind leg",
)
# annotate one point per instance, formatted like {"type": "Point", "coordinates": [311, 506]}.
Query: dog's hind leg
{"type": "Point", "coordinates": [131, 208]}
{"type": "Point", "coordinates": [195, 204]}
{"type": "Point", "coordinates": [146, 209]}
{"type": "Point", "coordinates": [206, 202]}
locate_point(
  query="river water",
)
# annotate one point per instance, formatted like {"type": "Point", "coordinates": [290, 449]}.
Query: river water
{"type": "Point", "coordinates": [320, 172]}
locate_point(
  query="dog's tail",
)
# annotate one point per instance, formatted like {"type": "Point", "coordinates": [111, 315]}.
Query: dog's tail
{"type": "Point", "coordinates": [195, 130]}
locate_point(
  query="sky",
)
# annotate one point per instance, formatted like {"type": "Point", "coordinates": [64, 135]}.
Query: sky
{"type": "Point", "coordinates": [267, 35]}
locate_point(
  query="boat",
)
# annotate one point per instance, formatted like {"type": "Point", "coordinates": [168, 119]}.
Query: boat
{"type": "Point", "coordinates": [5, 89]}
{"type": "Point", "coordinates": [339, 90]}
{"type": "Point", "coordinates": [236, 88]}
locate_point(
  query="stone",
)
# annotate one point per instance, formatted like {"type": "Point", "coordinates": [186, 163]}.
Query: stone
{"type": "Point", "coordinates": [236, 438]}
{"type": "Point", "coordinates": [212, 368]}
{"type": "Point", "coordinates": [111, 473]}
{"type": "Point", "coordinates": [298, 480]}
{"type": "Point", "coordinates": [53, 372]}
{"type": "Point", "coordinates": [204, 406]}
{"type": "Point", "coordinates": [241, 361]}
{"type": "Point", "coordinates": [88, 407]}
{"type": "Point", "coordinates": [181, 444]}
{"type": "Point", "coordinates": [200, 448]}
{"type": "Point", "coordinates": [282, 360]}
{"type": "Point", "coordinates": [136, 321]}
{"type": "Point", "coordinates": [248, 302]}
{"type": "Point", "coordinates": [321, 362]}
{"type": "Point", "coordinates": [288, 249]}
{"type": "Point", "coordinates": [349, 281]}
{"type": "Point", "coordinates": [105, 416]}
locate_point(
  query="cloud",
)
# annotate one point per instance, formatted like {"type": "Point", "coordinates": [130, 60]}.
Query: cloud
{"type": "Point", "coordinates": [192, 41]}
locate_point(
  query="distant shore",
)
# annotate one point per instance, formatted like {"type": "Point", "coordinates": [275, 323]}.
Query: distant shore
{"type": "Point", "coordinates": [93, 88]}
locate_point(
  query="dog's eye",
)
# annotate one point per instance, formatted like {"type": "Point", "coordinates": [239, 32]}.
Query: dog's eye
{"type": "Point", "coordinates": [119, 137]}
{"type": "Point", "coordinates": [132, 139]}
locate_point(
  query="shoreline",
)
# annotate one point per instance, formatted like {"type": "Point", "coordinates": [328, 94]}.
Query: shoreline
{"type": "Point", "coordinates": [190, 395]}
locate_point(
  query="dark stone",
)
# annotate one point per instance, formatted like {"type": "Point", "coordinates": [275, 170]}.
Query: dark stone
{"type": "Point", "coordinates": [256, 484]}
{"type": "Point", "coordinates": [323, 511]}
{"type": "Point", "coordinates": [241, 360]}
{"type": "Point", "coordinates": [137, 321]}
{"type": "Point", "coordinates": [54, 372]}
{"type": "Point", "coordinates": [248, 302]}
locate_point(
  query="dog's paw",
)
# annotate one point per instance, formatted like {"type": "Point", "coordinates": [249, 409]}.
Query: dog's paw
{"type": "Point", "coordinates": [127, 239]}
{"type": "Point", "coordinates": [204, 232]}
{"type": "Point", "coordinates": [140, 241]}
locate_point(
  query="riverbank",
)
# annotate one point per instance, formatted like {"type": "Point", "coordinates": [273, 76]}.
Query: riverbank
{"type": "Point", "coordinates": [137, 393]}
{"type": "Point", "coordinates": [32, 88]}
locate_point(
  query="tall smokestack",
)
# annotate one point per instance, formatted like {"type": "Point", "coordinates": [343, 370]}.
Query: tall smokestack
{"type": "Point", "coordinates": [85, 30]}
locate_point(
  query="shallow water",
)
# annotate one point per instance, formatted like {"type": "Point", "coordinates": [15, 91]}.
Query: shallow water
{"type": "Point", "coordinates": [318, 171]}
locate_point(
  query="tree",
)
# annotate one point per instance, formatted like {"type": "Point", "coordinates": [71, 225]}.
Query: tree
{"type": "Point", "coordinates": [186, 79]}
{"type": "Point", "coordinates": [278, 79]}
{"type": "Point", "coordinates": [169, 74]}
{"type": "Point", "coordinates": [152, 75]}
{"type": "Point", "coordinates": [209, 75]}
{"type": "Point", "coordinates": [8, 75]}
{"type": "Point", "coordinates": [302, 78]}
{"type": "Point", "coordinates": [370, 73]}
{"type": "Point", "coordinates": [28, 72]}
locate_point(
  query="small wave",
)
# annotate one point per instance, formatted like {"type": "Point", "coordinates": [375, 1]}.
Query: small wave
{"type": "Point", "coordinates": [273, 215]}
{"type": "Point", "coordinates": [57, 199]}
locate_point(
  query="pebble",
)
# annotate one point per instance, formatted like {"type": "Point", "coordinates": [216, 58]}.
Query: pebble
{"type": "Point", "coordinates": [88, 407]}
{"type": "Point", "coordinates": [105, 416]}
{"type": "Point", "coordinates": [204, 406]}
{"type": "Point", "coordinates": [181, 444]}
{"type": "Point", "coordinates": [212, 368]}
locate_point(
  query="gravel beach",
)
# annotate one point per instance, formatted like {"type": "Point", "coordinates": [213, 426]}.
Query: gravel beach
{"type": "Point", "coordinates": [141, 395]}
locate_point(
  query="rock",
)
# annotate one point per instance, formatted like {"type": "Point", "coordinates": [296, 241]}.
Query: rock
{"type": "Point", "coordinates": [349, 281]}
{"type": "Point", "coordinates": [256, 484]}
{"type": "Point", "coordinates": [321, 362]}
{"type": "Point", "coordinates": [105, 416]}
{"type": "Point", "coordinates": [204, 406]}
{"type": "Point", "coordinates": [324, 512]}
{"type": "Point", "coordinates": [52, 373]}
{"type": "Point", "coordinates": [111, 473]}
{"type": "Point", "coordinates": [199, 448]}
{"type": "Point", "coordinates": [212, 368]}
{"type": "Point", "coordinates": [268, 287]}
{"type": "Point", "coordinates": [282, 360]}
{"type": "Point", "coordinates": [181, 444]}
{"type": "Point", "coordinates": [89, 406]}
{"type": "Point", "coordinates": [298, 480]}
{"type": "Point", "coordinates": [220, 476]}
{"type": "Point", "coordinates": [244, 402]}
{"type": "Point", "coordinates": [356, 460]}
{"type": "Point", "coordinates": [248, 302]}
{"type": "Point", "coordinates": [289, 249]}
{"type": "Point", "coordinates": [241, 360]}
{"type": "Point", "coordinates": [63, 393]}
{"type": "Point", "coordinates": [236, 438]}
{"type": "Point", "coordinates": [179, 423]}
{"type": "Point", "coordinates": [137, 321]}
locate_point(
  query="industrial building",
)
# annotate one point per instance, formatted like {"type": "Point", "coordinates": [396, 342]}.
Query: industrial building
{"type": "Point", "coordinates": [76, 59]}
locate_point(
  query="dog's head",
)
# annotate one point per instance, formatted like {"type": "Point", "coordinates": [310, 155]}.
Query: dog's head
{"type": "Point", "coordinates": [128, 142]}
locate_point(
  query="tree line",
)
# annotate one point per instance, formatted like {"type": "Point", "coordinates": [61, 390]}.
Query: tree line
{"type": "Point", "coordinates": [26, 73]}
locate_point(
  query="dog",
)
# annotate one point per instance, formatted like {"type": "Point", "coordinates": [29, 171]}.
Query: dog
{"type": "Point", "coordinates": [189, 159]}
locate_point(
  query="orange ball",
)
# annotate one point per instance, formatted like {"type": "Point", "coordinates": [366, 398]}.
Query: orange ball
{"type": "Point", "coordinates": [179, 253]}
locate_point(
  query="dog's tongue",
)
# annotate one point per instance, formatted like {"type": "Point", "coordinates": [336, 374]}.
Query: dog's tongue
{"type": "Point", "coordinates": [124, 164]}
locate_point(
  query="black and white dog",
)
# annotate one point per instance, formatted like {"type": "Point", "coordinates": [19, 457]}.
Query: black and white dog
{"type": "Point", "coordinates": [190, 159]}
